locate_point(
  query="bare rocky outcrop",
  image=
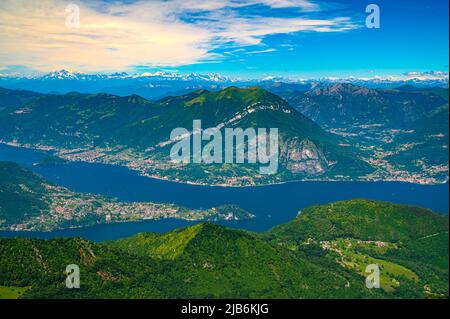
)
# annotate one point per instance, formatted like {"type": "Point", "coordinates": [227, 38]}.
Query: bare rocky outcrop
{"type": "Point", "coordinates": [304, 157]}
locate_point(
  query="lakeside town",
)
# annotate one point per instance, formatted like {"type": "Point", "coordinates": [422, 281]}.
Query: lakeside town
{"type": "Point", "coordinates": [153, 165]}
{"type": "Point", "coordinates": [67, 209]}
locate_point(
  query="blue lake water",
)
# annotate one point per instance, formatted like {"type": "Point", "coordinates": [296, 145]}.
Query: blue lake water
{"type": "Point", "coordinates": [272, 205]}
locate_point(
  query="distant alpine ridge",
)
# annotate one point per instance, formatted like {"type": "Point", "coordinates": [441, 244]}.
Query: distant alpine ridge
{"type": "Point", "coordinates": [163, 83]}
{"type": "Point", "coordinates": [71, 75]}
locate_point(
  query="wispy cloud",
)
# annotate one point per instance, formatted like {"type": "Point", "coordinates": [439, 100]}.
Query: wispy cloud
{"type": "Point", "coordinates": [118, 35]}
{"type": "Point", "coordinates": [252, 31]}
{"type": "Point", "coordinates": [261, 51]}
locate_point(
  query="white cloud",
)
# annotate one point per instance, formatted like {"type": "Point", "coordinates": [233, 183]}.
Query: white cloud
{"type": "Point", "coordinates": [36, 36]}
{"type": "Point", "coordinates": [261, 51]}
{"type": "Point", "coordinates": [429, 75]}
{"type": "Point", "coordinates": [251, 31]}
{"type": "Point", "coordinates": [302, 4]}
{"type": "Point", "coordinates": [118, 36]}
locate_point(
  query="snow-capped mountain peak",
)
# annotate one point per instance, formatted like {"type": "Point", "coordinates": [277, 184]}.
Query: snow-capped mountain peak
{"type": "Point", "coordinates": [62, 75]}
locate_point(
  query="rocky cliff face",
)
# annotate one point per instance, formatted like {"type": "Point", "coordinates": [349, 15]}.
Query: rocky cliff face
{"type": "Point", "coordinates": [304, 157]}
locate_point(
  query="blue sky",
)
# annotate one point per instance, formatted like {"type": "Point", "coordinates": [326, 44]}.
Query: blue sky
{"type": "Point", "coordinates": [290, 38]}
{"type": "Point", "coordinates": [413, 37]}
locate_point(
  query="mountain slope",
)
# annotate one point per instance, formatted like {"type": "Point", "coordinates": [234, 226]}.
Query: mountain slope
{"type": "Point", "coordinates": [22, 194]}
{"type": "Point", "coordinates": [40, 265]}
{"type": "Point", "coordinates": [215, 263]}
{"type": "Point", "coordinates": [411, 243]}
{"type": "Point", "coordinates": [72, 120]}
{"type": "Point", "coordinates": [221, 262]}
{"type": "Point", "coordinates": [403, 130]}
{"type": "Point", "coordinates": [362, 219]}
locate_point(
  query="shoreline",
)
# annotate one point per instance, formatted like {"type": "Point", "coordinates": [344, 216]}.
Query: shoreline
{"type": "Point", "coordinates": [55, 150]}
{"type": "Point", "coordinates": [76, 228]}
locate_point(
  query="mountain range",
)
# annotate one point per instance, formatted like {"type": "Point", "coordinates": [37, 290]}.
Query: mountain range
{"type": "Point", "coordinates": [340, 132]}
{"type": "Point", "coordinates": [155, 85]}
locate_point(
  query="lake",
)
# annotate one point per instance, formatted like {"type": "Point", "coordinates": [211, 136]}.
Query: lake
{"type": "Point", "coordinates": [272, 205]}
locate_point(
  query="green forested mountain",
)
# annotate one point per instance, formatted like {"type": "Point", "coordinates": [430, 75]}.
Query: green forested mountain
{"type": "Point", "coordinates": [362, 219]}
{"type": "Point", "coordinates": [311, 257]}
{"type": "Point", "coordinates": [361, 230]}
{"type": "Point", "coordinates": [81, 120]}
{"type": "Point", "coordinates": [221, 262]}
{"type": "Point", "coordinates": [204, 261]}
{"type": "Point", "coordinates": [73, 119]}
{"type": "Point", "coordinates": [136, 132]}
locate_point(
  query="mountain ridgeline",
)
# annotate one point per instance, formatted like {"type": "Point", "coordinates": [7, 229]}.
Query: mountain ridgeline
{"type": "Point", "coordinates": [323, 253]}
{"type": "Point", "coordinates": [13, 98]}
